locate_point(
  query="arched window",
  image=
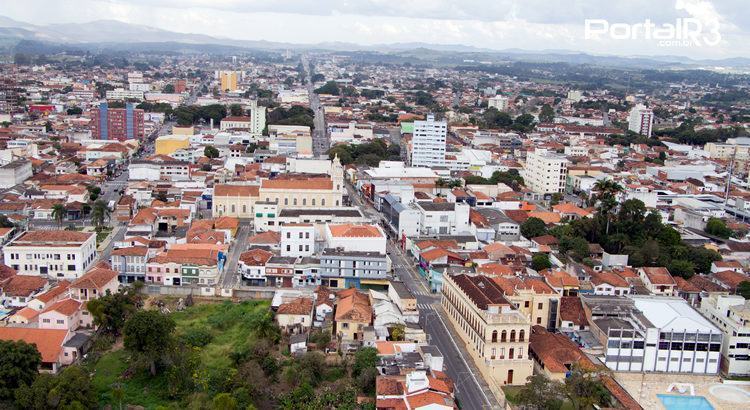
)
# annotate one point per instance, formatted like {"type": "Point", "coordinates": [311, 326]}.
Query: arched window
{"type": "Point", "coordinates": [521, 335]}
{"type": "Point", "coordinates": [513, 335]}
{"type": "Point", "coordinates": [304, 201]}
{"type": "Point", "coordinates": [494, 336]}
{"type": "Point", "coordinates": [313, 202]}
{"type": "Point", "coordinates": [286, 201]}
{"type": "Point", "coordinates": [503, 336]}
{"type": "Point", "coordinates": [295, 201]}
{"type": "Point", "coordinates": [323, 202]}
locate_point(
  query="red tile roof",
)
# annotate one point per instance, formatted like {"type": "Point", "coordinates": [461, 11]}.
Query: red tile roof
{"type": "Point", "coordinates": [48, 341]}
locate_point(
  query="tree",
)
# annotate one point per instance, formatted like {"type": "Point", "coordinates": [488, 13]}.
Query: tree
{"type": "Point", "coordinates": [94, 192]}
{"type": "Point", "coordinates": [523, 123]}
{"type": "Point", "coordinates": [71, 389]}
{"type": "Point", "coordinates": [224, 401]}
{"type": "Point", "coordinates": [540, 393]}
{"type": "Point", "coordinates": [607, 190]}
{"type": "Point", "coordinates": [533, 227]}
{"type": "Point", "coordinates": [148, 333]}
{"type": "Point", "coordinates": [236, 110]}
{"type": "Point", "coordinates": [540, 261]}
{"type": "Point", "coordinates": [547, 114]}
{"type": "Point", "coordinates": [702, 258]}
{"type": "Point", "coordinates": [211, 152]}
{"type": "Point", "coordinates": [682, 268]}
{"type": "Point", "coordinates": [364, 358]}
{"type": "Point", "coordinates": [717, 227]}
{"type": "Point", "coordinates": [585, 390]}
{"type": "Point", "coordinates": [575, 247]}
{"type": "Point", "coordinates": [330, 87]}
{"type": "Point", "coordinates": [743, 289]}
{"type": "Point", "coordinates": [58, 213]}
{"type": "Point", "coordinates": [99, 213]}
{"type": "Point", "coordinates": [168, 89]}
{"type": "Point", "coordinates": [265, 327]}
{"type": "Point", "coordinates": [74, 111]}
{"type": "Point", "coordinates": [19, 364]}
{"type": "Point", "coordinates": [397, 333]}
{"type": "Point", "coordinates": [111, 311]}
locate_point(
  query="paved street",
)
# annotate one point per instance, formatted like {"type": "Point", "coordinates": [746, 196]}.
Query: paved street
{"type": "Point", "coordinates": [471, 389]}
{"type": "Point", "coordinates": [229, 277]}
{"type": "Point", "coordinates": [321, 143]}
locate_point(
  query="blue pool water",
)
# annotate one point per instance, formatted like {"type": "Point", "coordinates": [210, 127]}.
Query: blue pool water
{"type": "Point", "coordinates": [672, 402]}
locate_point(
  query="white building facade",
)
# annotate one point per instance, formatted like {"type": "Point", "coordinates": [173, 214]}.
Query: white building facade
{"type": "Point", "coordinates": [428, 143]}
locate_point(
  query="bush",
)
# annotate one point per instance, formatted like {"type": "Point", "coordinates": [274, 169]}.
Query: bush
{"type": "Point", "coordinates": [197, 337]}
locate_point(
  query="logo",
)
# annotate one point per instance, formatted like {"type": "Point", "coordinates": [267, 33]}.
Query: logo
{"type": "Point", "coordinates": [685, 32]}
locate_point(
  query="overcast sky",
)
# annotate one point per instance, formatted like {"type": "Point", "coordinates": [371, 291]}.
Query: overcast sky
{"type": "Point", "coordinates": [496, 24]}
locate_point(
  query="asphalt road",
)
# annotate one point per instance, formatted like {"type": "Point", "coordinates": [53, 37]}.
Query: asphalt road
{"type": "Point", "coordinates": [321, 142]}
{"type": "Point", "coordinates": [230, 277]}
{"type": "Point", "coordinates": [472, 390]}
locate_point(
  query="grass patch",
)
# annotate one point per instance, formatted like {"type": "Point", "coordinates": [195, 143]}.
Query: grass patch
{"type": "Point", "coordinates": [511, 393]}
{"type": "Point", "coordinates": [102, 235]}
{"type": "Point", "coordinates": [227, 324]}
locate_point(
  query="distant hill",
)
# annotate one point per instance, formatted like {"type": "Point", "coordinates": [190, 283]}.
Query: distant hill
{"type": "Point", "coordinates": [116, 35]}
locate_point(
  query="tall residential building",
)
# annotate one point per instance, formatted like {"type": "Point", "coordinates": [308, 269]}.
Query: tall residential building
{"type": "Point", "coordinates": [545, 172]}
{"type": "Point", "coordinates": [117, 123]}
{"type": "Point", "coordinates": [228, 80]}
{"type": "Point", "coordinates": [499, 102]}
{"type": "Point", "coordinates": [180, 86]}
{"type": "Point", "coordinates": [495, 332]}
{"type": "Point", "coordinates": [731, 313]}
{"type": "Point", "coordinates": [428, 143]}
{"type": "Point", "coordinates": [641, 120]}
{"type": "Point", "coordinates": [254, 123]}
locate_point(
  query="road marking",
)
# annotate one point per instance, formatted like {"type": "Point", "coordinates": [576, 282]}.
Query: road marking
{"type": "Point", "coordinates": [460, 354]}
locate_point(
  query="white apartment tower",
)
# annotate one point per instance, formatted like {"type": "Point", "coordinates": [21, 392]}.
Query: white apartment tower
{"type": "Point", "coordinates": [545, 172]}
{"type": "Point", "coordinates": [428, 143]}
{"type": "Point", "coordinates": [641, 120]}
{"type": "Point", "coordinates": [499, 102]}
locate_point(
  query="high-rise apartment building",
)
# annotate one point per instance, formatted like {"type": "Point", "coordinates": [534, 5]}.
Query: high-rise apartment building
{"type": "Point", "coordinates": [499, 102]}
{"type": "Point", "coordinates": [180, 86]}
{"type": "Point", "coordinates": [641, 120]}
{"type": "Point", "coordinates": [545, 172]}
{"type": "Point", "coordinates": [428, 143]}
{"type": "Point", "coordinates": [117, 123]}
{"type": "Point", "coordinates": [228, 80]}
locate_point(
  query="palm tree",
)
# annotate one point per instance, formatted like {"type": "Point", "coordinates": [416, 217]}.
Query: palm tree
{"type": "Point", "coordinates": [99, 213]}
{"type": "Point", "coordinates": [607, 191]}
{"type": "Point", "coordinates": [58, 213]}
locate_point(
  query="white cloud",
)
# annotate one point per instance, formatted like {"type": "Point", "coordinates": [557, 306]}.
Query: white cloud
{"type": "Point", "coordinates": [498, 24]}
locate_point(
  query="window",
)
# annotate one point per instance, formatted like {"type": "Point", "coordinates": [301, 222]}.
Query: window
{"type": "Point", "coordinates": [494, 338]}
{"type": "Point", "coordinates": [512, 337]}
{"type": "Point", "coordinates": [526, 304]}
{"type": "Point", "coordinates": [521, 335]}
{"type": "Point", "coordinates": [539, 321]}
{"type": "Point", "coordinates": [539, 306]}
{"type": "Point", "coordinates": [60, 321]}
{"type": "Point", "coordinates": [71, 267]}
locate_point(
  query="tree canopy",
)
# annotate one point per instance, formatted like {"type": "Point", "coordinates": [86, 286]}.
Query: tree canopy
{"type": "Point", "coordinates": [19, 364]}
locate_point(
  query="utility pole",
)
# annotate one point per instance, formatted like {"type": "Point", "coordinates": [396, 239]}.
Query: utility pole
{"type": "Point", "coordinates": [729, 176]}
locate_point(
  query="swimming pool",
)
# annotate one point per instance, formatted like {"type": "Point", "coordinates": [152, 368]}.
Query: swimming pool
{"type": "Point", "coordinates": [672, 402]}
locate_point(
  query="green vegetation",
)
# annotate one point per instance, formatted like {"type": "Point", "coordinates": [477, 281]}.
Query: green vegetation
{"type": "Point", "coordinates": [370, 153]}
{"type": "Point", "coordinates": [296, 115]}
{"type": "Point", "coordinates": [583, 389]}
{"type": "Point", "coordinates": [510, 178]}
{"type": "Point", "coordinates": [330, 87]}
{"type": "Point", "coordinates": [743, 289]}
{"type": "Point", "coordinates": [717, 227]}
{"type": "Point", "coordinates": [547, 114]}
{"type": "Point", "coordinates": [187, 115]}
{"type": "Point", "coordinates": [18, 366]}
{"type": "Point", "coordinates": [626, 228]}
{"type": "Point", "coordinates": [222, 355]}
{"type": "Point", "coordinates": [540, 261]}
{"type": "Point", "coordinates": [533, 227]}
{"type": "Point", "coordinates": [211, 152]}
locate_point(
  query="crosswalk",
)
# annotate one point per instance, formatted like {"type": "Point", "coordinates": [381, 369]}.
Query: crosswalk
{"type": "Point", "coordinates": [421, 293]}
{"type": "Point", "coordinates": [424, 306]}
